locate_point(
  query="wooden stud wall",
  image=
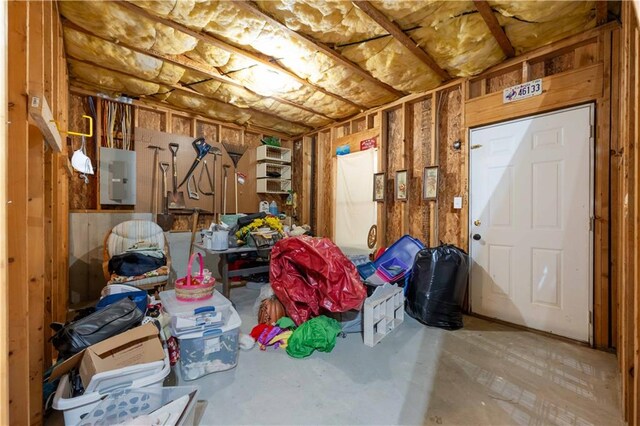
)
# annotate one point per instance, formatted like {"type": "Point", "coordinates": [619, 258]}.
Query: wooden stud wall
{"type": "Point", "coordinates": [37, 208]}
{"type": "Point", "coordinates": [420, 130]}
{"type": "Point", "coordinates": [625, 239]}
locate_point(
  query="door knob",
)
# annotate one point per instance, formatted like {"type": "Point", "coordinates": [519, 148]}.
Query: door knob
{"type": "Point", "coordinates": [477, 237]}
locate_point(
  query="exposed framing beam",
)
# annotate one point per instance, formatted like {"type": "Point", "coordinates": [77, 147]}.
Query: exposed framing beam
{"type": "Point", "coordinates": [188, 90]}
{"type": "Point", "coordinates": [192, 65]}
{"type": "Point", "coordinates": [494, 26]}
{"type": "Point", "coordinates": [397, 33]}
{"type": "Point", "coordinates": [260, 59]}
{"type": "Point", "coordinates": [250, 6]}
{"type": "Point", "coordinates": [165, 107]}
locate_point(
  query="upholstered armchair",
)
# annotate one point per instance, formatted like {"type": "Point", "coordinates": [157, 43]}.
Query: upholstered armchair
{"type": "Point", "coordinates": [125, 235]}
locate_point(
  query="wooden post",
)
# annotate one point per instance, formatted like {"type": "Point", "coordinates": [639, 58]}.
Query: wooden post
{"type": "Point", "coordinates": [4, 283]}
{"type": "Point", "coordinates": [17, 169]}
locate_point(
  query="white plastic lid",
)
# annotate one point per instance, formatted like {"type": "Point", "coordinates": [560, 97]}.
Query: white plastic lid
{"type": "Point", "coordinates": [233, 323]}
{"type": "Point", "coordinates": [176, 308]}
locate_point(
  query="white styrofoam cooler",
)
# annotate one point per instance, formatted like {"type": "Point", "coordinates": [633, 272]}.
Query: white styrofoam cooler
{"type": "Point", "coordinates": [210, 351]}
{"type": "Point", "coordinates": [137, 376]}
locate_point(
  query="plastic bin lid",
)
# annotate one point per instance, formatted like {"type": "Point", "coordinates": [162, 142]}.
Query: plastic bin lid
{"type": "Point", "coordinates": [405, 249]}
{"type": "Point", "coordinates": [174, 307]}
{"type": "Point", "coordinates": [127, 404]}
{"type": "Point", "coordinates": [233, 322]}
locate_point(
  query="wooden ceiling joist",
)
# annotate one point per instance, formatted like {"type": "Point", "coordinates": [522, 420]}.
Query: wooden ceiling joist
{"type": "Point", "coordinates": [260, 59]}
{"type": "Point", "coordinates": [397, 33]}
{"type": "Point", "coordinates": [192, 65]}
{"type": "Point", "coordinates": [321, 47]}
{"type": "Point", "coordinates": [188, 90]}
{"type": "Point", "coordinates": [494, 26]}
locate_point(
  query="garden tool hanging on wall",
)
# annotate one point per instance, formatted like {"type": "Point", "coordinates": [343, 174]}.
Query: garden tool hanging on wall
{"type": "Point", "coordinates": [202, 149]}
{"type": "Point", "coordinates": [81, 162]}
{"type": "Point", "coordinates": [176, 199]}
{"type": "Point", "coordinates": [192, 188]}
{"type": "Point", "coordinates": [164, 219]}
{"type": "Point", "coordinates": [235, 152]}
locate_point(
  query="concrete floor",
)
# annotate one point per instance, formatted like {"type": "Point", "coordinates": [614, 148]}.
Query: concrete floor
{"type": "Point", "coordinates": [485, 373]}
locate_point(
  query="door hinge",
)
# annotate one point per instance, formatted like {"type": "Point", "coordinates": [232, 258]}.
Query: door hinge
{"type": "Point", "coordinates": [592, 223]}
{"type": "Point", "coordinates": [593, 131]}
{"type": "Point", "coordinates": [590, 317]}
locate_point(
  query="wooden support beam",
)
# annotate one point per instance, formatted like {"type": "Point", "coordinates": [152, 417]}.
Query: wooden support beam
{"type": "Point", "coordinates": [494, 26]}
{"type": "Point", "coordinates": [4, 281]}
{"type": "Point", "coordinates": [182, 61]}
{"type": "Point", "coordinates": [188, 90]}
{"type": "Point", "coordinates": [17, 169]}
{"type": "Point", "coordinates": [260, 59]}
{"type": "Point", "coordinates": [397, 33]}
{"type": "Point", "coordinates": [321, 47]}
{"type": "Point", "coordinates": [43, 117]}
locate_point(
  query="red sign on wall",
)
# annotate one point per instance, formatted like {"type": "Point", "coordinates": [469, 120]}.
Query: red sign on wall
{"type": "Point", "coordinates": [368, 144]}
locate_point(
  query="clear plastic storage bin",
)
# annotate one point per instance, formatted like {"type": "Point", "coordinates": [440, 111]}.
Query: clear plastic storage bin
{"type": "Point", "coordinates": [129, 404]}
{"type": "Point", "coordinates": [175, 308]}
{"type": "Point", "coordinates": [209, 351]}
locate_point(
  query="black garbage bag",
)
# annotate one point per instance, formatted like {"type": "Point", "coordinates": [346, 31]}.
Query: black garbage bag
{"type": "Point", "coordinates": [436, 289]}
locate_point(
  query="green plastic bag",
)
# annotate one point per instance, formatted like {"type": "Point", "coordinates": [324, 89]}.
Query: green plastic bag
{"type": "Point", "coordinates": [318, 333]}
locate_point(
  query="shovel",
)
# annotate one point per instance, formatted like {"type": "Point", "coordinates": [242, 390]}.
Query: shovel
{"type": "Point", "coordinates": [164, 219]}
{"type": "Point", "coordinates": [176, 199]}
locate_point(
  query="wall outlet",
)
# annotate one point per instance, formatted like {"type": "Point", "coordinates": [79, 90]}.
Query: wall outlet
{"type": "Point", "coordinates": [457, 203]}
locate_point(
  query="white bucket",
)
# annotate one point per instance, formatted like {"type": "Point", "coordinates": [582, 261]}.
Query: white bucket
{"type": "Point", "coordinates": [220, 240]}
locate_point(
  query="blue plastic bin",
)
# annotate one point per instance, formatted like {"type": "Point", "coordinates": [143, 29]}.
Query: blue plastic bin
{"type": "Point", "coordinates": [138, 297]}
{"type": "Point", "coordinates": [366, 270]}
{"type": "Point", "coordinates": [393, 268]}
{"type": "Point", "coordinates": [404, 250]}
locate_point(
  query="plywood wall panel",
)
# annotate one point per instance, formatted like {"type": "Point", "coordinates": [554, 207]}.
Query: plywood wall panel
{"type": "Point", "coordinates": [502, 81]}
{"type": "Point", "coordinates": [395, 162]}
{"type": "Point", "coordinates": [182, 125]}
{"type": "Point", "coordinates": [151, 119]}
{"type": "Point", "coordinates": [83, 196]}
{"type": "Point", "coordinates": [324, 184]}
{"type": "Point", "coordinates": [207, 130]}
{"type": "Point", "coordinates": [419, 223]}
{"type": "Point", "coordinates": [229, 135]}
{"type": "Point", "coordinates": [453, 164]}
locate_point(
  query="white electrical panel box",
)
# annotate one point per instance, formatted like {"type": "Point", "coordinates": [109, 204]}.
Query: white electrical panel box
{"type": "Point", "coordinates": [117, 177]}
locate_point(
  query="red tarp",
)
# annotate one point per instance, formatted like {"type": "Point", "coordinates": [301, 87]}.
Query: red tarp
{"type": "Point", "coordinates": [310, 275]}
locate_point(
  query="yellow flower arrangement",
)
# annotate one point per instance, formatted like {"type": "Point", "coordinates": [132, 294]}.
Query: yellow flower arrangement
{"type": "Point", "coordinates": [270, 221]}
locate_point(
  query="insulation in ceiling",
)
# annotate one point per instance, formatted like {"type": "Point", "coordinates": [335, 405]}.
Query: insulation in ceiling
{"type": "Point", "coordinates": [452, 32]}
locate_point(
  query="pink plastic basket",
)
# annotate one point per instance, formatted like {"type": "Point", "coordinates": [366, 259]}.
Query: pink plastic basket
{"type": "Point", "coordinates": [196, 287]}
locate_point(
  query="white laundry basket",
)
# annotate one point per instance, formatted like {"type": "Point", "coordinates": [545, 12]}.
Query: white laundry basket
{"type": "Point", "coordinates": [137, 376]}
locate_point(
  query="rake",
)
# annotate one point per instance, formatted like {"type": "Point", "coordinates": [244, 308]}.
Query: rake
{"type": "Point", "coordinates": [236, 152]}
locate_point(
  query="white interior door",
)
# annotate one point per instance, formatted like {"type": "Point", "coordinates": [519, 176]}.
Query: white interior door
{"type": "Point", "coordinates": [531, 204]}
{"type": "Point", "coordinates": [355, 210]}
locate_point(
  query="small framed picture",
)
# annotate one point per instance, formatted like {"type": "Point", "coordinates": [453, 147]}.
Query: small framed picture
{"type": "Point", "coordinates": [430, 183]}
{"type": "Point", "coordinates": [402, 190]}
{"type": "Point", "coordinates": [378, 187]}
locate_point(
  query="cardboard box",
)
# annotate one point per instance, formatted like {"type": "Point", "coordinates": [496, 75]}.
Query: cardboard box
{"type": "Point", "coordinates": [139, 345]}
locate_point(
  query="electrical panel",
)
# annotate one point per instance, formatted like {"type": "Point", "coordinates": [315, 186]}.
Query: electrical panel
{"type": "Point", "coordinates": [117, 177]}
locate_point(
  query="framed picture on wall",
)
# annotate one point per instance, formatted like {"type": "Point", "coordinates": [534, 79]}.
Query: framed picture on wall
{"type": "Point", "coordinates": [430, 183]}
{"type": "Point", "coordinates": [378, 187]}
{"type": "Point", "coordinates": [402, 188]}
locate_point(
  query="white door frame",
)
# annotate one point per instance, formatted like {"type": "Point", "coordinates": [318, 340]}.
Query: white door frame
{"type": "Point", "coordinates": [592, 109]}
